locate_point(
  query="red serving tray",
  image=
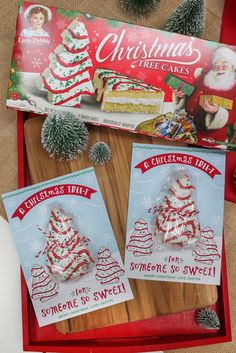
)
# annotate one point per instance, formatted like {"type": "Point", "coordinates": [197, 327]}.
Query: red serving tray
{"type": "Point", "coordinates": [161, 333]}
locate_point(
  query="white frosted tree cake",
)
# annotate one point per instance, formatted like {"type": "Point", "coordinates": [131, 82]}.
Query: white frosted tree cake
{"type": "Point", "coordinates": [68, 256]}
{"type": "Point", "coordinates": [177, 223]}
{"type": "Point", "coordinates": [67, 79]}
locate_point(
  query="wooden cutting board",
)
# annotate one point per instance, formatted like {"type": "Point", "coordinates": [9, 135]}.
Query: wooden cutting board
{"type": "Point", "coordinates": [152, 298]}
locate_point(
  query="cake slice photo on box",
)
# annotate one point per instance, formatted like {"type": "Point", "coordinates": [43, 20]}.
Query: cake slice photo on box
{"type": "Point", "coordinates": [120, 93]}
{"type": "Point", "coordinates": [175, 215]}
{"type": "Point", "coordinates": [72, 266]}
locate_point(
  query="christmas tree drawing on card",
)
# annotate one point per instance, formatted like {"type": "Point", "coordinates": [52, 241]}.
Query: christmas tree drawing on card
{"type": "Point", "coordinates": [43, 287]}
{"type": "Point", "coordinates": [140, 242]}
{"type": "Point", "coordinates": [108, 269]}
{"type": "Point", "coordinates": [206, 249]}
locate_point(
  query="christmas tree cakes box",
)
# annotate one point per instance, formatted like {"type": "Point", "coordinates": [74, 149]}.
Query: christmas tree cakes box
{"type": "Point", "coordinates": [71, 265]}
{"type": "Point", "coordinates": [175, 217]}
{"type": "Point", "coordinates": [123, 76]}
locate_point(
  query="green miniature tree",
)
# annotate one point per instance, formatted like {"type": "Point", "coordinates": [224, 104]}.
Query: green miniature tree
{"type": "Point", "coordinates": [139, 8]}
{"type": "Point", "coordinates": [188, 18]}
{"type": "Point", "coordinates": [64, 136]}
{"type": "Point", "coordinates": [100, 153]}
{"type": "Point", "coordinates": [15, 89]}
{"type": "Point", "coordinates": [208, 319]}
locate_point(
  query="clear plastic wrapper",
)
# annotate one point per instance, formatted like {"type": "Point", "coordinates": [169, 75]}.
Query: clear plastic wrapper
{"type": "Point", "coordinates": [67, 254]}
{"type": "Point", "coordinates": [176, 219]}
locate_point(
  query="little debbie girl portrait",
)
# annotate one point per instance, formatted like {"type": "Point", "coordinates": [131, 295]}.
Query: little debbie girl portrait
{"type": "Point", "coordinates": [37, 16]}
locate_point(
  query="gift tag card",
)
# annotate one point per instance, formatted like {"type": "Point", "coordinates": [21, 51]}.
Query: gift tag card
{"type": "Point", "coordinates": [66, 246]}
{"type": "Point", "coordinates": [175, 216]}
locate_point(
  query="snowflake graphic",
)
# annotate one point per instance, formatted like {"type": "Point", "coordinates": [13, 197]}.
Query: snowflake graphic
{"type": "Point", "coordinates": [105, 235]}
{"type": "Point", "coordinates": [140, 154]}
{"type": "Point", "coordinates": [147, 202]}
{"type": "Point", "coordinates": [16, 221]}
{"type": "Point", "coordinates": [36, 246]}
{"type": "Point", "coordinates": [36, 62]}
{"type": "Point", "coordinates": [134, 216]}
{"type": "Point", "coordinates": [132, 37]}
{"type": "Point", "coordinates": [61, 24]}
{"type": "Point", "coordinates": [88, 178]}
{"type": "Point", "coordinates": [162, 172]}
{"type": "Point", "coordinates": [12, 203]}
{"type": "Point", "coordinates": [142, 75]}
{"type": "Point", "coordinates": [73, 202]}
{"type": "Point", "coordinates": [195, 173]}
{"type": "Point", "coordinates": [43, 212]}
{"type": "Point", "coordinates": [216, 160]}
{"type": "Point", "coordinates": [26, 264]}
{"type": "Point", "coordinates": [105, 238]}
{"type": "Point", "coordinates": [136, 174]}
{"type": "Point", "coordinates": [216, 221]}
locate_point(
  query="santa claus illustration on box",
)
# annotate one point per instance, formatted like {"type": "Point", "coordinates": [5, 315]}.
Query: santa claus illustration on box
{"type": "Point", "coordinates": [210, 119]}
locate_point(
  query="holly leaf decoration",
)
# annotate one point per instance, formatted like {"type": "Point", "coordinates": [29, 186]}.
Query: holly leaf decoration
{"type": "Point", "coordinates": [20, 6]}
{"type": "Point", "coordinates": [68, 13]}
{"type": "Point", "coordinates": [15, 89]}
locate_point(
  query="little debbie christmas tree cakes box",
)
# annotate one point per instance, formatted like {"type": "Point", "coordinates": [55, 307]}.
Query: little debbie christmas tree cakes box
{"type": "Point", "coordinates": [71, 265]}
{"type": "Point", "coordinates": [175, 217]}
{"type": "Point", "coordinates": [123, 76]}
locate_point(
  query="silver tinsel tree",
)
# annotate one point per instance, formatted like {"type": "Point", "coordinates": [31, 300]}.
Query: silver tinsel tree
{"type": "Point", "coordinates": [208, 319]}
{"type": "Point", "coordinates": [188, 18]}
{"type": "Point", "coordinates": [100, 153]}
{"type": "Point", "coordinates": [139, 8]}
{"type": "Point", "coordinates": [64, 135]}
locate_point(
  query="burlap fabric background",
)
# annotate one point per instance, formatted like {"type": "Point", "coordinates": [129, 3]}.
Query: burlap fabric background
{"type": "Point", "coordinates": [8, 139]}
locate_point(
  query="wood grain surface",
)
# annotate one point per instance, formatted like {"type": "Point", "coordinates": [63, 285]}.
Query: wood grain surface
{"type": "Point", "coordinates": [151, 298]}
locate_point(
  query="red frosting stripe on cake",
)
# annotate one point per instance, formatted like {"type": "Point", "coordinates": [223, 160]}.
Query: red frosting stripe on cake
{"type": "Point", "coordinates": [65, 89]}
{"type": "Point", "coordinates": [73, 51]}
{"type": "Point", "coordinates": [87, 93]}
{"type": "Point", "coordinates": [77, 36]}
{"type": "Point", "coordinates": [63, 63]}
{"type": "Point", "coordinates": [68, 77]}
{"type": "Point", "coordinates": [117, 84]}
